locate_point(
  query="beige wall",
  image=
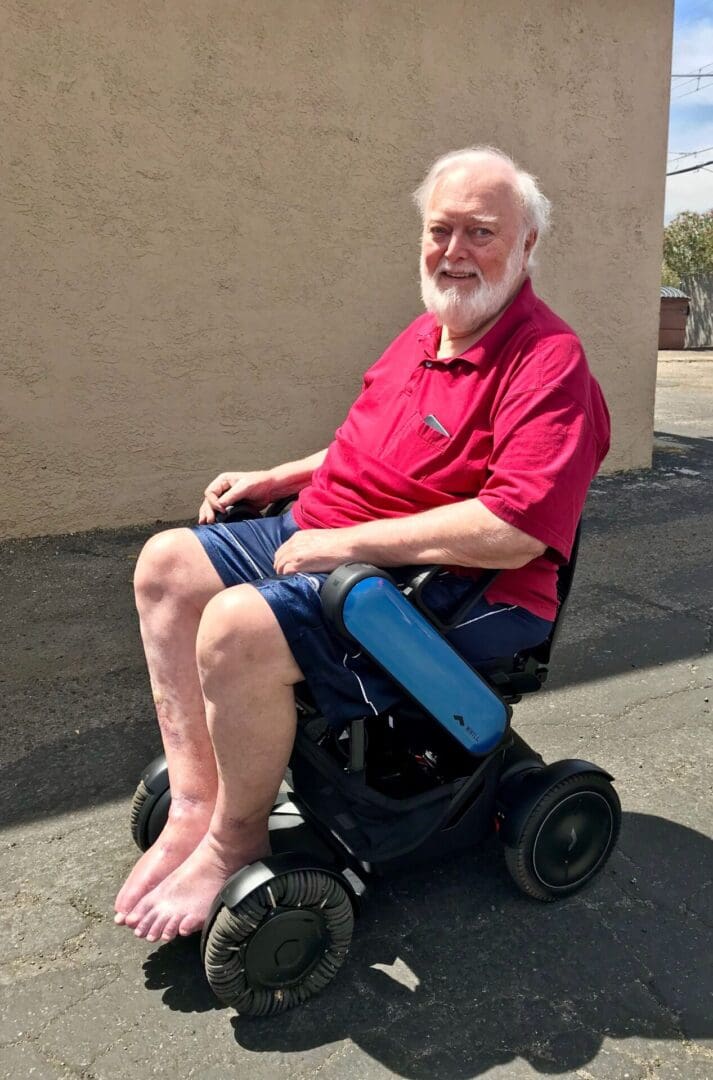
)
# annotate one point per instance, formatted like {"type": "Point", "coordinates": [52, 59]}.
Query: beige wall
{"type": "Point", "coordinates": [207, 233]}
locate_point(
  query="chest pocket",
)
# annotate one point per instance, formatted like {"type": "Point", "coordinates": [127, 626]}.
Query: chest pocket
{"type": "Point", "coordinates": [411, 440]}
{"type": "Point", "coordinates": [455, 464]}
{"type": "Point", "coordinates": [431, 435]}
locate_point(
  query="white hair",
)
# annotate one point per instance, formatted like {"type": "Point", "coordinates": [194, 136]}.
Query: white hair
{"type": "Point", "coordinates": [535, 205]}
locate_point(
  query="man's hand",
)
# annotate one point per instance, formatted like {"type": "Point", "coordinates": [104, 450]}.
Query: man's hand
{"type": "Point", "coordinates": [314, 549]}
{"type": "Point", "coordinates": [231, 487]}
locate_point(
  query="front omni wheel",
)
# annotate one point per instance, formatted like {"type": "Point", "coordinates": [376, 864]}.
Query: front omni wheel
{"type": "Point", "coordinates": [566, 838]}
{"type": "Point", "coordinates": [281, 943]}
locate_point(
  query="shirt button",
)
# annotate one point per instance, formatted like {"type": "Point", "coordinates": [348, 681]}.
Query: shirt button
{"type": "Point", "coordinates": [428, 364]}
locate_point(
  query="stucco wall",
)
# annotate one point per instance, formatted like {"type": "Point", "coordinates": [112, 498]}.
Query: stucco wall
{"type": "Point", "coordinates": [207, 233]}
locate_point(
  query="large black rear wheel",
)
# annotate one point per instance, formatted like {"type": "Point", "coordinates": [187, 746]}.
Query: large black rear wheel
{"type": "Point", "coordinates": [566, 838]}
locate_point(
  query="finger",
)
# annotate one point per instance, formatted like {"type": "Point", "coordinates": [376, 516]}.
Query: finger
{"type": "Point", "coordinates": [213, 501]}
{"type": "Point", "coordinates": [280, 556]}
{"type": "Point", "coordinates": [217, 486]}
{"type": "Point", "coordinates": [205, 514]}
{"type": "Point", "coordinates": [232, 495]}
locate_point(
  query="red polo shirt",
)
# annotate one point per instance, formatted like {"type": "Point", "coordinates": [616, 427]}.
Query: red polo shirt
{"type": "Point", "coordinates": [517, 420]}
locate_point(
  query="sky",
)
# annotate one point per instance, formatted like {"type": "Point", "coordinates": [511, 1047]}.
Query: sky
{"type": "Point", "coordinates": [691, 116]}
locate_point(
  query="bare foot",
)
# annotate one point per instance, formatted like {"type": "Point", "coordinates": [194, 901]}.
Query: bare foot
{"type": "Point", "coordinates": [180, 904]}
{"type": "Point", "coordinates": [180, 836]}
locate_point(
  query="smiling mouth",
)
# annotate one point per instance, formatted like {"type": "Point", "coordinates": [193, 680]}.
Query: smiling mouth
{"type": "Point", "coordinates": [458, 277]}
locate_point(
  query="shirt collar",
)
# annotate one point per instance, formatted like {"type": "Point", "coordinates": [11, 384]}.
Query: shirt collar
{"type": "Point", "coordinates": [516, 312]}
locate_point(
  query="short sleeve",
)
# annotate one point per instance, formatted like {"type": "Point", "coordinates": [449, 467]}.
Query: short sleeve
{"type": "Point", "coordinates": [545, 454]}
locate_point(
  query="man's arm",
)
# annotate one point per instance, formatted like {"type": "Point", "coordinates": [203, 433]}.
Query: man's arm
{"type": "Point", "coordinates": [260, 487]}
{"type": "Point", "coordinates": [291, 477]}
{"type": "Point", "coordinates": [464, 534]}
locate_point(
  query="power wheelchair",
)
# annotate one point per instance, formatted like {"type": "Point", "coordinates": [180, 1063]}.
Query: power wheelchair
{"type": "Point", "coordinates": [430, 777]}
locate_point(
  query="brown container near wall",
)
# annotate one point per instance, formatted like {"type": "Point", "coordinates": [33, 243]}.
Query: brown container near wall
{"type": "Point", "coordinates": [673, 318]}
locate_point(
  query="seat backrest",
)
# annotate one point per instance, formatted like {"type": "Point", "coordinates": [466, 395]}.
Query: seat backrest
{"type": "Point", "coordinates": [565, 576]}
{"type": "Point", "coordinates": [527, 670]}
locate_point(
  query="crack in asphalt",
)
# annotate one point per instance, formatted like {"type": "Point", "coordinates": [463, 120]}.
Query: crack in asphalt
{"type": "Point", "coordinates": [340, 1051]}
{"type": "Point", "coordinates": [605, 720]}
{"type": "Point", "coordinates": [644, 601]}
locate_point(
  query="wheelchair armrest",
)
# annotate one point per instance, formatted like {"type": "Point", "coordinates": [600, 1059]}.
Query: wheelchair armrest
{"type": "Point", "coordinates": [345, 577]}
{"type": "Point", "coordinates": [243, 511]}
{"type": "Point", "coordinates": [365, 605]}
{"type": "Point", "coordinates": [239, 511]}
{"type": "Point", "coordinates": [338, 586]}
{"type": "Point", "coordinates": [413, 591]}
{"type": "Point", "coordinates": [280, 506]}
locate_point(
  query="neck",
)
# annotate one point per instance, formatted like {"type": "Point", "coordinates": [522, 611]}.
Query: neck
{"type": "Point", "coordinates": [454, 342]}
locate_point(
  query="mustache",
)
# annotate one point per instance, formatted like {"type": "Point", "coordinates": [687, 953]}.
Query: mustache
{"type": "Point", "coordinates": [445, 266]}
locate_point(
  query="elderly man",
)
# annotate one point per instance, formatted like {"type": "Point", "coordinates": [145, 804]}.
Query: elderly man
{"type": "Point", "coordinates": [472, 444]}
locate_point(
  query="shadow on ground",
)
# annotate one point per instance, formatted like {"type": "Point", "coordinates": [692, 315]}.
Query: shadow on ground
{"type": "Point", "coordinates": [78, 724]}
{"type": "Point", "coordinates": [472, 975]}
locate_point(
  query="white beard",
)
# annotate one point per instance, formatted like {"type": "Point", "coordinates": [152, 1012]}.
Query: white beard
{"type": "Point", "coordinates": [466, 307]}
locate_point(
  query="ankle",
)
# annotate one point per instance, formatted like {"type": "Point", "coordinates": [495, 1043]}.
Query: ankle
{"type": "Point", "coordinates": [238, 846]}
{"type": "Point", "coordinates": [190, 810]}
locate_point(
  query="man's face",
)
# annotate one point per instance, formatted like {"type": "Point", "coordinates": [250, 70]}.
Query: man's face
{"type": "Point", "coordinates": [475, 245]}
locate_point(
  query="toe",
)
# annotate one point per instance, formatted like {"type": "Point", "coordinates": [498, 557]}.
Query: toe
{"type": "Point", "coordinates": [170, 929]}
{"type": "Point", "coordinates": [157, 927]}
{"type": "Point", "coordinates": [145, 925]}
{"type": "Point", "coordinates": [137, 914]}
{"type": "Point", "coordinates": [189, 925]}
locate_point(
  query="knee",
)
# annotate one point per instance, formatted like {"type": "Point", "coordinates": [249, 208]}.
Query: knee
{"type": "Point", "coordinates": [240, 640]}
{"type": "Point", "coordinates": [225, 633]}
{"type": "Point", "coordinates": [162, 568]}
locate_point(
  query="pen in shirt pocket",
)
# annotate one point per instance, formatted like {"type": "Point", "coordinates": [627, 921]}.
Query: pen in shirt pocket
{"type": "Point", "coordinates": [435, 423]}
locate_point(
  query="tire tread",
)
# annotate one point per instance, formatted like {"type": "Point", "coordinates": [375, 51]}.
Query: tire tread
{"type": "Point", "coordinates": [227, 941]}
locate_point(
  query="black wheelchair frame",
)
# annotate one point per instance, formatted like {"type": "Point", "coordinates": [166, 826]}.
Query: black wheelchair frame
{"type": "Point", "coordinates": [383, 794]}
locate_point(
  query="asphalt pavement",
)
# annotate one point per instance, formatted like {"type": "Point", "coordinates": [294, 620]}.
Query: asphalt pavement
{"type": "Point", "coordinates": [453, 974]}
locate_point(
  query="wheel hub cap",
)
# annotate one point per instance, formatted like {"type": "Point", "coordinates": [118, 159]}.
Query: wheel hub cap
{"type": "Point", "coordinates": [573, 839]}
{"type": "Point", "coordinates": [285, 948]}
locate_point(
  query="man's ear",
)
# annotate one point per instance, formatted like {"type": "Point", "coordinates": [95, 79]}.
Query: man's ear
{"type": "Point", "coordinates": [530, 241]}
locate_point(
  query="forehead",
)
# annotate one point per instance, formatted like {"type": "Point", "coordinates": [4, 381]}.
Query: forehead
{"type": "Point", "coordinates": [486, 189]}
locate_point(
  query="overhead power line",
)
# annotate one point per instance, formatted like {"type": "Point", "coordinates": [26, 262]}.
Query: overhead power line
{"type": "Point", "coordinates": [703, 72]}
{"type": "Point", "coordinates": [691, 168]}
{"type": "Point", "coordinates": [696, 90]}
{"type": "Point", "coordinates": [680, 154]}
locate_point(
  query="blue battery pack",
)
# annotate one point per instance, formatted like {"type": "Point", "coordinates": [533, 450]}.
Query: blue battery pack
{"type": "Point", "coordinates": [402, 641]}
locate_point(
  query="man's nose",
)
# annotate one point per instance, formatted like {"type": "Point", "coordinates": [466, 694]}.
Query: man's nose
{"type": "Point", "coordinates": [456, 245]}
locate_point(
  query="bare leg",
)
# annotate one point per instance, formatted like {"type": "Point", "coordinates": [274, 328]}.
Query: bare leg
{"type": "Point", "coordinates": [247, 673]}
{"type": "Point", "coordinates": [174, 581]}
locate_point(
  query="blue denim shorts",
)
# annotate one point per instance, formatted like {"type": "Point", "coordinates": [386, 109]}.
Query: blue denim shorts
{"type": "Point", "coordinates": [345, 683]}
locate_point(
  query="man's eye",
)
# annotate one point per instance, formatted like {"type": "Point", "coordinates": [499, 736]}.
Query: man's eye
{"type": "Point", "coordinates": [480, 231]}
{"type": "Point", "coordinates": [438, 230]}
